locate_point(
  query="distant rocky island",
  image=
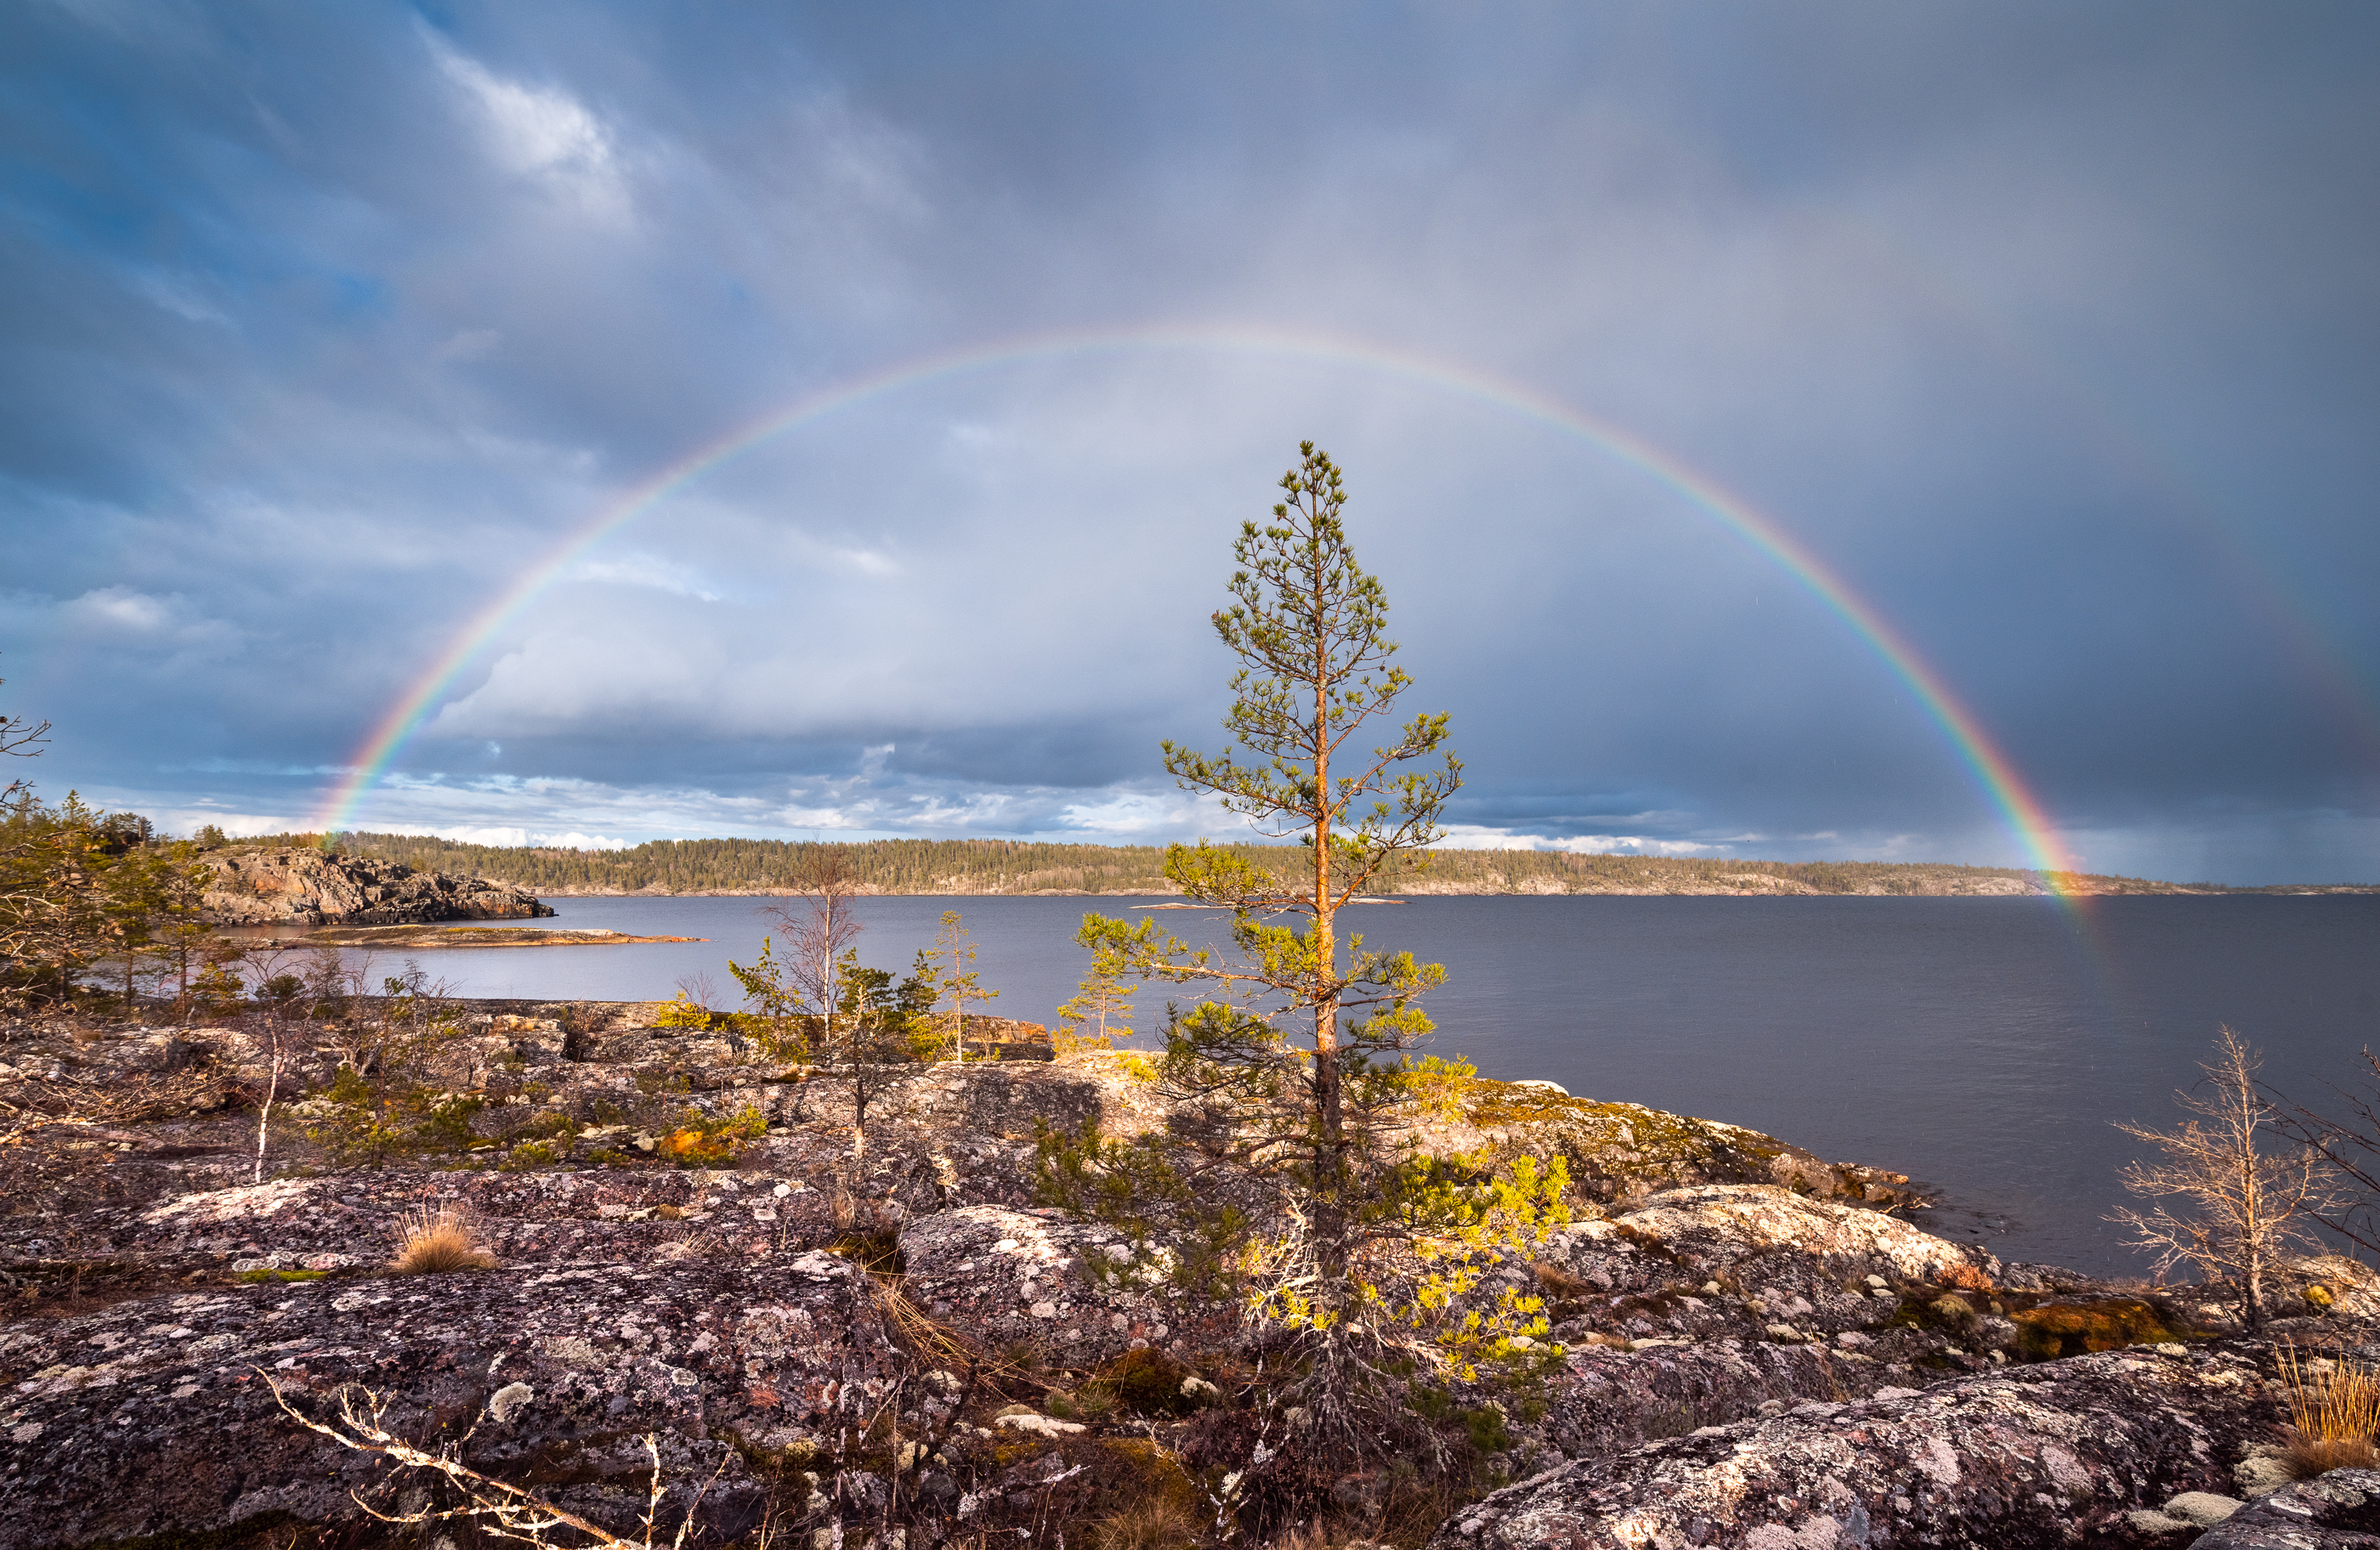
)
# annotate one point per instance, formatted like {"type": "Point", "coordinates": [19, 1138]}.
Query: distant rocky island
{"type": "Point", "coordinates": [1005, 867]}
{"type": "Point", "coordinates": [293, 885]}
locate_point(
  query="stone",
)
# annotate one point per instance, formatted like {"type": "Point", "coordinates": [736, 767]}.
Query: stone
{"type": "Point", "coordinates": [1813, 1350]}
{"type": "Point", "coordinates": [1038, 1426]}
{"type": "Point", "coordinates": [573, 1363]}
{"type": "Point", "coordinates": [2203, 1507]}
{"type": "Point", "coordinates": [2050, 1454]}
{"type": "Point", "coordinates": [2336, 1512]}
{"type": "Point", "coordinates": [299, 887]}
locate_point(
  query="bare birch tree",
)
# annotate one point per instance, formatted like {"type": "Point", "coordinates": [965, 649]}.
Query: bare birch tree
{"type": "Point", "coordinates": [819, 932]}
{"type": "Point", "coordinates": [2235, 1207]}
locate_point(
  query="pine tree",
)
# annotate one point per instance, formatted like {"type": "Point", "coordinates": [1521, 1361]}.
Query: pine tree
{"type": "Point", "coordinates": [1288, 1167]}
{"type": "Point", "coordinates": [949, 967]}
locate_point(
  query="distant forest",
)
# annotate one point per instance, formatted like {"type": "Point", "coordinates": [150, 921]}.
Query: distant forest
{"type": "Point", "coordinates": [992, 867]}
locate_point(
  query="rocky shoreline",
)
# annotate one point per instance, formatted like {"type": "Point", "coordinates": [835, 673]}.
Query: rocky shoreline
{"type": "Point", "coordinates": [1759, 1350]}
{"type": "Point", "coordinates": [292, 886]}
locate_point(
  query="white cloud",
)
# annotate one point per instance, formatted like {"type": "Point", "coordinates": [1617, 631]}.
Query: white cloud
{"type": "Point", "coordinates": [480, 834]}
{"type": "Point", "coordinates": [647, 570]}
{"type": "Point", "coordinates": [121, 608]}
{"type": "Point", "coordinates": [539, 133]}
{"type": "Point", "coordinates": [179, 294]}
{"type": "Point", "coordinates": [468, 344]}
{"type": "Point", "coordinates": [1476, 837]}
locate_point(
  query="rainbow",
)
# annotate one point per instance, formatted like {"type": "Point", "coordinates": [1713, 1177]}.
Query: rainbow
{"type": "Point", "coordinates": [1990, 769]}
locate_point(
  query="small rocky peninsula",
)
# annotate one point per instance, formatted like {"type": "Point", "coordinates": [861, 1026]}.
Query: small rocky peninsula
{"type": "Point", "coordinates": [294, 885]}
{"type": "Point", "coordinates": [674, 1280]}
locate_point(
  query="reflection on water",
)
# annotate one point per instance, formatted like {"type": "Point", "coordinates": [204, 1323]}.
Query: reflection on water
{"type": "Point", "coordinates": [1983, 1045]}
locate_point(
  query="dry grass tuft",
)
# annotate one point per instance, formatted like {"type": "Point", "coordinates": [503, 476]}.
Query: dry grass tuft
{"type": "Point", "coordinates": [1319, 1536]}
{"type": "Point", "coordinates": [437, 1242]}
{"type": "Point", "coordinates": [1160, 1522]}
{"type": "Point", "coordinates": [2308, 1457]}
{"type": "Point", "coordinates": [2334, 1413]}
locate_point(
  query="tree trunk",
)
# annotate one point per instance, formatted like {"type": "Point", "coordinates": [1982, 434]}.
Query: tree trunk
{"type": "Point", "coordinates": [1329, 1141]}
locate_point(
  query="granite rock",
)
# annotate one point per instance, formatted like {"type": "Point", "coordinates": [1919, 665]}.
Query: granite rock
{"type": "Point", "coordinates": [2056, 1454]}
{"type": "Point", "coordinates": [297, 887]}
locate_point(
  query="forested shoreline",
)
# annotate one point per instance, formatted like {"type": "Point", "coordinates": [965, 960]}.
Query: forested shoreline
{"type": "Point", "coordinates": [1011, 867]}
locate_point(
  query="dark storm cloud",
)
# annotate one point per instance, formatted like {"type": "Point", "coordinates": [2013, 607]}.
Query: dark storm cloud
{"type": "Point", "coordinates": [2051, 331]}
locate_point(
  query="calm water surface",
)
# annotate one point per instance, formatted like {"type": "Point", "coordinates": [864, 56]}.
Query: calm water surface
{"type": "Point", "coordinates": [1981, 1044]}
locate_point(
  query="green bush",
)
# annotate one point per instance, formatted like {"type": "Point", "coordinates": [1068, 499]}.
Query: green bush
{"type": "Point", "coordinates": [361, 1121]}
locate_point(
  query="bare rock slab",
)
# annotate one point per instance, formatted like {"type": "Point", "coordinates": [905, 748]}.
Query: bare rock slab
{"type": "Point", "coordinates": [2057, 1454]}
{"type": "Point", "coordinates": [157, 1416]}
{"type": "Point", "coordinates": [2337, 1512]}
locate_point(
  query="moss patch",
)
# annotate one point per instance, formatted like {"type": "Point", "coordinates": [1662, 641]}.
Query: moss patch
{"type": "Point", "coordinates": [2056, 1329]}
{"type": "Point", "coordinates": [1147, 1381]}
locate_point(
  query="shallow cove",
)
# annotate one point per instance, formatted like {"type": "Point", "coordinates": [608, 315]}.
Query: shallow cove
{"type": "Point", "coordinates": [1981, 1043]}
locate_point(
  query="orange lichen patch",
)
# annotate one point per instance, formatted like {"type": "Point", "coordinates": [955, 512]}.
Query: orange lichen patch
{"type": "Point", "coordinates": [691, 1148]}
{"type": "Point", "coordinates": [2056, 1329]}
{"type": "Point", "coordinates": [1966, 1277]}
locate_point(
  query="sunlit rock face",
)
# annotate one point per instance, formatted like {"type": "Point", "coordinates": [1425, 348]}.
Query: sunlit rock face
{"type": "Point", "coordinates": [295, 887]}
{"type": "Point", "coordinates": [2082, 1451]}
{"type": "Point", "coordinates": [677, 1235]}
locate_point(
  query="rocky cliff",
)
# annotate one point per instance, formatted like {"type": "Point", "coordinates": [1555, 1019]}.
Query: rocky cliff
{"type": "Point", "coordinates": [690, 1287]}
{"type": "Point", "coordinates": [300, 887]}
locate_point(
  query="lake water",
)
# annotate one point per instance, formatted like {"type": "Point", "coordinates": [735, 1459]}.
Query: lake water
{"type": "Point", "coordinates": [1980, 1045]}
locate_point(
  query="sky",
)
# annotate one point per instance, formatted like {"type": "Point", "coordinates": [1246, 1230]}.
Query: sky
{"type": "Point", "coordinates": [1927, 432]}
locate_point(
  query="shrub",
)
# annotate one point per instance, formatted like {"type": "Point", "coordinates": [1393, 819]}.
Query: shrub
{"type": "Point", "coordinates": [1440, 1088]}
{"type": "Point", "coordinates": [360, 1120]}
{"type": "Point", "coordinates": [704, 1142]}
{"type": "Point", "coordinates": [438, 1242]}
{"type": "Point", "coordinates": [1964, 1277]}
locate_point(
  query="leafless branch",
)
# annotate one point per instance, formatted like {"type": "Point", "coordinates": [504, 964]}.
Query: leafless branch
{"type": "Point", "coordinates": [504, 1510]}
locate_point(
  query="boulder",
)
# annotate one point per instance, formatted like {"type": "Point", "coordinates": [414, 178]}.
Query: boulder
{"type": "Point", "coordinates": [1608, 1400]}
{"type": "Point", "coordinates": [2050, 1455]}
{"type": "Point", "coordinates": [1750, 1261]}
{"type": "Point", "coordinates": [357, 1218]}
{"type": "Point", "coordinates": [158, 1417]}
{"type": "Point", "coordinates": [299, 887]}
{"type": "Point", "coordinates": [1618, 1153]}
{"type": "Point", "coordinates": [2336, 1512]}
{"type": "Point", "coordinates": [1075, 1290]}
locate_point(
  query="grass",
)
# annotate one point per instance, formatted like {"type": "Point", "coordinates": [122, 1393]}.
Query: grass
{"type": "Point", "coordinates": [2334, 1413]}
{"type": "Point", "coordinates": [1152, 1524]}
{"type": "Point", "coordinates": [438, 1242]}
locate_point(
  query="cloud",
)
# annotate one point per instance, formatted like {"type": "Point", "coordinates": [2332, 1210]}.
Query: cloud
{"type": "Point", "coordinates": [468, 344]}
{"type": "Point", "coordinates": [539, 133]}
{"type": "Point", "coordinates": [2059, 365]}
{"type": "Point", "coordinates": [645, 570]}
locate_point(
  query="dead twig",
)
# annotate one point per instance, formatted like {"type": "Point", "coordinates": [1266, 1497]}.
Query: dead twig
{"type": "Point", "coordinates": [502, 1509]}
